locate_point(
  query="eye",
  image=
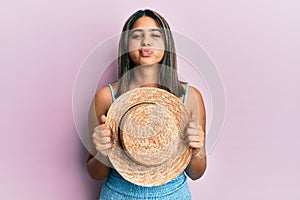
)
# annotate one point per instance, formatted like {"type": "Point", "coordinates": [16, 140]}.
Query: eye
{"type": "Point", "coordinates": [136, 36]}
{"type": "Point", "coordinates": [156, 35]}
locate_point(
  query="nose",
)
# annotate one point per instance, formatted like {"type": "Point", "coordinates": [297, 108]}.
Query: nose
{"type": "Point", "coordinates": [146, 41]}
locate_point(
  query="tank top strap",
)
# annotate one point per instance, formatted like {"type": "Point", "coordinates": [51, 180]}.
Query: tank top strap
{"type": "Point", "coordinates": [112, 92]}
{"type": "Point", "coordinates": [186, 93]}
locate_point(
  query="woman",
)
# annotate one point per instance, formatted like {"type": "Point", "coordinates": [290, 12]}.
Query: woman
{"type": "Point", "coordinates": [147, 58]}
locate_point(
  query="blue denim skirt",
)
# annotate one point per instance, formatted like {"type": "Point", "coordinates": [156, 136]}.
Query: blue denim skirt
{"type": "Point", "coordinates": [117, 188]}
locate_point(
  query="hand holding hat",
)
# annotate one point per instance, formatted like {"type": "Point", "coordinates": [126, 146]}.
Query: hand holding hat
{"type": "Point", "coordinates": [195, 136]}
{"type": "Point", "coordinates": [102, 137]}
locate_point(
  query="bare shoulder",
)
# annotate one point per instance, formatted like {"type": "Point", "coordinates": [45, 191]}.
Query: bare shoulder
{"type": "Point", "coordinates": [196, 94]}
{"type": "Point", "coordinates": [103, 95]}
{"type": "Point", "coordinates": [103, 100]}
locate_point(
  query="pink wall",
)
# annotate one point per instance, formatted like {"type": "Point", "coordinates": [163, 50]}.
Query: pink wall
{"type": "Point", "coordinates": [255, 45]}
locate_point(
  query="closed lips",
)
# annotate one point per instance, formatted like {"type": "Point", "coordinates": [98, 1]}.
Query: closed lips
{"type": "Point", "coordinates": [146, 52]}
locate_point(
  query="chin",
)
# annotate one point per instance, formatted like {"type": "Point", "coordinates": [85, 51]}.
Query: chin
{"type": "Point", "coordinates": [148, 64]}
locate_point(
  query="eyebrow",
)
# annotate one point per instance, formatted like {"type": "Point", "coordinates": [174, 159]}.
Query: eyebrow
{"type": "Point", "coordinates": [141, 30]}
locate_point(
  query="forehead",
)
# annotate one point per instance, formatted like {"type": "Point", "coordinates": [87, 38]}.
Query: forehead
{"type": "Point", "coordinates": [145, 22]}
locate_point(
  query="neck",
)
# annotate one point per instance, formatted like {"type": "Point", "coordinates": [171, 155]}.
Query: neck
{"type": "Point", "coordinates": [145, 75]}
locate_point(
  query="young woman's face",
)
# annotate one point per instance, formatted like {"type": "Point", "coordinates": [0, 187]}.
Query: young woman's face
{"type": "Point", "coordinates": [146, 42]}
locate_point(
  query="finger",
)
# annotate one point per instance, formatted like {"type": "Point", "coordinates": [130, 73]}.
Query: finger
{"type": "Point", "coordinates": [103, 147]}
{"type": "Point", "coordinates": [101, 127]}
{"type": "Point", "coordinates": [102, 133]}
{"type": "Point", "coordinates": [195, 131]}
{"type": "Point", "coordinates": [196, 145]}
{"type": "Point", "coordinates": [192, 138]}
{"type": "Point", "coordinates": [102, 119]}
{"type": "Point", "coordinates": [191, 131]}
{"type": "Point", "coordinates": [103, 140]}
{"type": "Point", "coordinates": [193, 124]}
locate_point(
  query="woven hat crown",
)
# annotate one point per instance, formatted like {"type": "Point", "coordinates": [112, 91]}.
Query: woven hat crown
{"type": "Point", "coordinates": [148, 126]}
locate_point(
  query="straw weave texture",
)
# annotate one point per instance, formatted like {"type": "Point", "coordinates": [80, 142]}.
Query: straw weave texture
{"type": "Point", "coordinates": [152, 151]}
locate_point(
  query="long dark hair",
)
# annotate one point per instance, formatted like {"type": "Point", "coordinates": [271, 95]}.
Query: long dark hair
{"type": "Point", "coordinates": [168, 76]}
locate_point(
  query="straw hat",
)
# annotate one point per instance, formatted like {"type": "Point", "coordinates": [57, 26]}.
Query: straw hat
{"type": "Point", "coordinates": [148, 126]}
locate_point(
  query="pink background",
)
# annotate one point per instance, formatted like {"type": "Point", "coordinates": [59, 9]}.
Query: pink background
{"type": "Point", "coordinates": [255, 45]}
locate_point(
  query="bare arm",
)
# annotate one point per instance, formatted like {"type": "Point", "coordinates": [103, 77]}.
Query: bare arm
{"type": "Point", "coordinates": [196, 139]}
{"type": "Point", "coordinates": [97, 163]}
